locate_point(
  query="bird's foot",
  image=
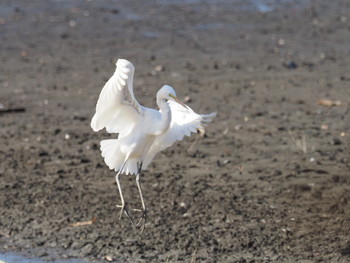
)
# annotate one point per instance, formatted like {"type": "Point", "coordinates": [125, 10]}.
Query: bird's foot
{"type": "Point", "coordinates": [142, 221]}
{"type": "Point", "coordinates": [124, 208]}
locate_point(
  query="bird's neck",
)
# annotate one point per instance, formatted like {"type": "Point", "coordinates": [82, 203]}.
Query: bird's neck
{"type": "Point", "coordinates": [165, 111]}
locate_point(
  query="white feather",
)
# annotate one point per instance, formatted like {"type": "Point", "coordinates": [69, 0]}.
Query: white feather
{"type": "Point", "coordinates": [143, 132]}
{"type": "Point", "coordinates": [184, 121]}
{"type": "Point", "coordinates": [117, 109]}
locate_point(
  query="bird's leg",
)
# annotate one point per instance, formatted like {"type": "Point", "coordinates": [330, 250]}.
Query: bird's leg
{"type": "Point", "coordinates": [123, 206]}
{"type": "Point", "coordinates": [144, 211]}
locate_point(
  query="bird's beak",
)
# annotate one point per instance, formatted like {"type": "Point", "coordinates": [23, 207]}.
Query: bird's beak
{"type": "Point", "coordinates": [178, 101]}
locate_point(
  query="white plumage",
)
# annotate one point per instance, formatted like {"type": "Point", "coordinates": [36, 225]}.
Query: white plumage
{"type": "Point", "coordinates": [118, 111]}
{"type": "Point", "coordinates": [143, 132]}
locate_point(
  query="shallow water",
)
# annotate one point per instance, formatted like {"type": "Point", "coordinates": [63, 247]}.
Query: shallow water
{"type": "Point", "coordinates": [251, 5]}
{"type": "Point", "coordinates": [10, 257]}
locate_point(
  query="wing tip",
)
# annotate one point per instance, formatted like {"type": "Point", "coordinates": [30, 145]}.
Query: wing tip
{"type": "Point", "coordinates": [208, 117]}
{"type": "Point", "coordinates": [123, 63]}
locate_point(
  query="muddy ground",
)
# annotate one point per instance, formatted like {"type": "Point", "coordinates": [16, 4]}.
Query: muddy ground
{"type": "Point", "coordinates": [245, 193]}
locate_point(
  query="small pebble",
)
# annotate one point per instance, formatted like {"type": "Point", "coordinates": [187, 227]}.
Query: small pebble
{"type": "Point", "coordinates": [290, 65]}
{"type": "Point", "coordinates": [238, 127]}
{"type": "Point", "coordinates": [72, 23]}
{"type": "Point", "coordinates": [159, 68]}
{"type": "Point", "coordinates": [187, 99]}
{"type": "Point", "coordinates": [336, 141]}
{"type": "Point", "coordinates": [324, 127]}
{"type": "Point", "coordinates": [226, 161]}
{"type": "Point", "coordinates": [281, 42]}
{"type": "Point", "coordinates": [225, 131]}
{"type": "Point", "coordinates": [109, 258]}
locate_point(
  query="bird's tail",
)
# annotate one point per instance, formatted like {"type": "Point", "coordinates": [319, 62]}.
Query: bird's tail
{"type": "Point", "coordinates": [111, 153]}
{"type": "Point", "coordinates": [115, 158]}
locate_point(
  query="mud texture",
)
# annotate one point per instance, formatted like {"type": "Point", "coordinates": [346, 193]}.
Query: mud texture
{"type": "Point", "coordinates": [269, 183]}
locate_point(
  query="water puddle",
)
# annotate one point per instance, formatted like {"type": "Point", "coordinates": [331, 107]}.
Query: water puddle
{"type": "Point", "coordinates": [10, 257]}
{"type": "Point", "coordinates": [266, 6]}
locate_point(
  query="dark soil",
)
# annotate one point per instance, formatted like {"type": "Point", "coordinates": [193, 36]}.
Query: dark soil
{"type": "Point", "coordinates": [244, 193]}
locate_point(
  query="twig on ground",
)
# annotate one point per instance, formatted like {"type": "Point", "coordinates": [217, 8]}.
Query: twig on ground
{"type": "Point", "coordinates": [13, 110]}
{"type": "Point", "coordinates": [193, 259]}
{"type": "Point", "coordinates": [84, 223]}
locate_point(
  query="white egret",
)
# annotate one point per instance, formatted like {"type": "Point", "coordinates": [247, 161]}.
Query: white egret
{"type": "Point", "coordinates": [143, 132]}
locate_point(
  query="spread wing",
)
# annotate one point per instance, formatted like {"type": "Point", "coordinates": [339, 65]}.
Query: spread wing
{"type": "Point", "coordinates": [184, 121]}
{"type": "Point", "coordinates": [117, 110]}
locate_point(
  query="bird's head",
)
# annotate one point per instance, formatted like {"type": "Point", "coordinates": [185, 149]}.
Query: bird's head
{"type": "Point", "coordinates": [168, 93]}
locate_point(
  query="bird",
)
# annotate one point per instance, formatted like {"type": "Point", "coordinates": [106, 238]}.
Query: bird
{"type": "Point", "coordinates": [141, 132]}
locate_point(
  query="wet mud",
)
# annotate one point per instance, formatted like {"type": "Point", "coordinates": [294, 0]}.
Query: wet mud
{"type": "Point", "coordinates": [270, 181]}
